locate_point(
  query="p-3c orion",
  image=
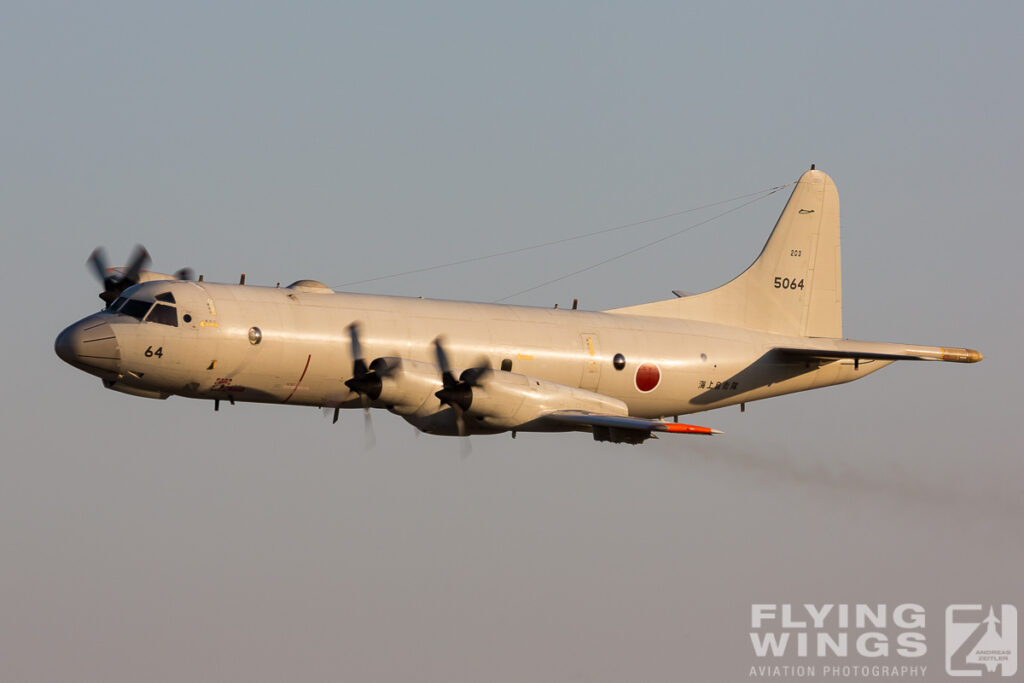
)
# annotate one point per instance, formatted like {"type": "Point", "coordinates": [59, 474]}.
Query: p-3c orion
{"type": "Point", "coordinates": [459, 368]}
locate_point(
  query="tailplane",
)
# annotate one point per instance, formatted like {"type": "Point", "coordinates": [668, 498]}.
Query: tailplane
{"type": "Point", "coordinates": [795, 285]}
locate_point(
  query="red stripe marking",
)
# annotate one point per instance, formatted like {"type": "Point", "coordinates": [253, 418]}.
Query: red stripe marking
{"type": "Point", "coordinates": [296, 387]}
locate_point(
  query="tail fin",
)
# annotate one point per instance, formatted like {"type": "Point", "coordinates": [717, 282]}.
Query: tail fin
{"type": "Point", "coordinates": [795, 285]}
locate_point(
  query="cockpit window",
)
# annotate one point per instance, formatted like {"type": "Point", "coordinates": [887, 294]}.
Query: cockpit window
{"type": "Point", "coordinates": [165, 296]}
{"type": "Point", "coordinates": [163, 314]}
{"type": "Point", "coordinates": [118, 303]}
{"type": "Point", "coordinates": [135, 308]}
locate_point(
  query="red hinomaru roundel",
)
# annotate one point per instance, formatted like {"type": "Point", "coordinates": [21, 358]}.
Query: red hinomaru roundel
{"type": "Point", "coordinates": [647, 377]}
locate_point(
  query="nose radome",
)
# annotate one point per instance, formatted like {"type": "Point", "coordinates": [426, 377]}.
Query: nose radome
{"type": "Point", "coordinates": [90, 345]}
{"type": "Point", "coordinates": [64, 346]}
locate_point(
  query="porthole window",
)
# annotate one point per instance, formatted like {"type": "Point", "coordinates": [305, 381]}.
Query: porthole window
{"type": "Point", "coordinates": [187, 318]}
{"type": "Point", "coordinates": [619, 361]}
{"type": "Point", "coordinates": [255, 336]}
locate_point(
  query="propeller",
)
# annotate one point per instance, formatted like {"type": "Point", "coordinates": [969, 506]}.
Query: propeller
{"type": "Point", "coordinates": [365, 381]}
{"type": "Point", "coordinates": [458, 393]}
{"type": "Point", "coordinates": [115, 283]}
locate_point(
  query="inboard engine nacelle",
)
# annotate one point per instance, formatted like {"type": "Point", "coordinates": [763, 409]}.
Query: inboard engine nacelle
{"type": "Point", "coordinates": [499, 400]}
{"type": "Point", "coordinates": [509, 400]}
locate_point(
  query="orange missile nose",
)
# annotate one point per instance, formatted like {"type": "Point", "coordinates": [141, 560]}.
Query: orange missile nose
{"type": "Point", "coordinates": [679, 428]}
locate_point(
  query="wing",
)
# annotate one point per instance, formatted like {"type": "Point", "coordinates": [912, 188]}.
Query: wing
{"type": "Point", "coordinates": [621, 428]}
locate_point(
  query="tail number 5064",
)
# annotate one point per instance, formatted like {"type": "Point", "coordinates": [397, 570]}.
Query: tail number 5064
{"type": "Point", "coordinates": [788, 283]}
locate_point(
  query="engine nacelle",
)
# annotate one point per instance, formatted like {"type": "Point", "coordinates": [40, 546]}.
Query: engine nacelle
{"type": "Point", "coordinates": [500, 400]}
{"type": "Point", "coordinates": [408, 386]}
{"type": "Point", "coordinates": [508, 400]}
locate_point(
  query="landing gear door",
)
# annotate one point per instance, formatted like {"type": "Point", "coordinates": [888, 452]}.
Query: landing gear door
{"type": "Point", "coordinates": [591, 361]}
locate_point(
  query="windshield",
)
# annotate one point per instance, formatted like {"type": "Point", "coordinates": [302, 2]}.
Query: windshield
{"type": "Point", "coordinates": [135, 308]}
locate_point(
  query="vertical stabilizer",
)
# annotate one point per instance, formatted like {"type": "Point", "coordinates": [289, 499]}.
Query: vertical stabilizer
{"type": "Point", "coordinates": [795, 285]}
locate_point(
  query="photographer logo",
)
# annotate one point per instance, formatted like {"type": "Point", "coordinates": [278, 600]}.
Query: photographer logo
{"type": "Point", "coordinates": [981, 640]}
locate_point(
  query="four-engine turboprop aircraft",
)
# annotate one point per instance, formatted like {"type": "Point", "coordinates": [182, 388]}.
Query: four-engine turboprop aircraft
{"type": "Point", "coordinates": [775, 329]}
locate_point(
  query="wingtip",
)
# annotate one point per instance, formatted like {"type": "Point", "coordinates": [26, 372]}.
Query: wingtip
{"type": "Point", "coordinates": [960, 355]}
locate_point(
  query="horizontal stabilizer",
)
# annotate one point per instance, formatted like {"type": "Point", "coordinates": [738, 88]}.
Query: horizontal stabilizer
{"type": "Point", "coordinates": [882, 351]}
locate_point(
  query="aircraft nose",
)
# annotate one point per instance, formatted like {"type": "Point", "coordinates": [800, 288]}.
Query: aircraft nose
{"type": "Point", "coordinates": [90, 345]}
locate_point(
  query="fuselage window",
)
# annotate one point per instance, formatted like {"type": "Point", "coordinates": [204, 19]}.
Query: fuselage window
{"type": "Point", "coordinates": [165, 296]}
{"type": "Point", "coordinates": [163, 314]}
{"type": "Point", "coordinates": [135, 308]}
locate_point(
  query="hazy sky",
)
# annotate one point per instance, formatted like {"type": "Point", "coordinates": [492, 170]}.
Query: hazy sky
{"type": "Point", "coordinates": [160, 541]}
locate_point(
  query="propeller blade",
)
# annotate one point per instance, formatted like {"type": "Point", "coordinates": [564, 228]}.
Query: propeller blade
{"type": "Point", "coordinates": [185, 273]}
{"type": "Point", "coordinates": [328, 411]}
{"type": "Point", "coordinates": [358, 362]}
{"type": "Point", "coordinates": [140, 259]}
{"type": "Point", "coordinates": [385, 366]}
{"type": "Point", "coordinates": [98, 260]}
{"type": "Point", "coordinates": [369, 436]}
{"type": "Point", "coordinates": [475, 375]}
{"type": "Point", "coordinates": [447, 378]}
{"type": "Point", "coordinates": [465, 445]}
{"type": "Point", "coordinates": [460, 419]}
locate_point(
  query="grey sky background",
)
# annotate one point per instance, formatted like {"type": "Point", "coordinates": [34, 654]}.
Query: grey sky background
{"type": "Point", "coordinates": [159, 541]}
